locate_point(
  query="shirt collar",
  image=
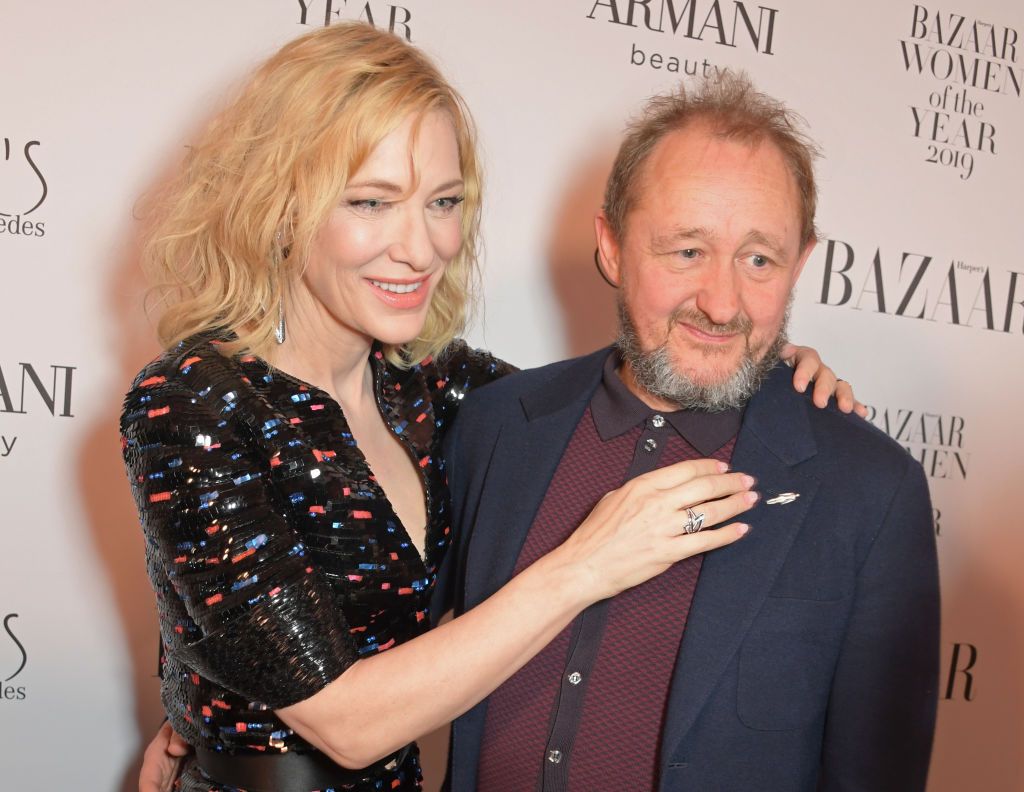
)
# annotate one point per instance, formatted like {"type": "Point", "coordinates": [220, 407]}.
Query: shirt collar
{"type": "Point", "coordinates": [616, 410]}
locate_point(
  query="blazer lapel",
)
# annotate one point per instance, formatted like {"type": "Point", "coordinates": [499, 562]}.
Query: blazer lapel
{"type": "Point", "coordinates": [735, 580]}
{"type": "Point", "coordinates": [526, 454]}
{"type": "Point", "coordinates": [523, 459]}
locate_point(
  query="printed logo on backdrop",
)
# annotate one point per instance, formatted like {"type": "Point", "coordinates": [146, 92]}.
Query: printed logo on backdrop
{"type": "Point", "coordinates": [23, 189]}
{"type": "Point", "coordinates": [390, 16]}
{"type": "Point", "coordinates": [13, 658]}
{"type": "Point", "coordinates": [27, 389]}
{"type": "Point", "coordinates": [919, 285]}
{"type": "Point", "coordinates": [959, 672]}
{"type": "Point", "coordinates": [735, 25]}
{"type": "Point", "coordinates": [935, 440]}
{"type": "Point", "coordinates": [971, 66]}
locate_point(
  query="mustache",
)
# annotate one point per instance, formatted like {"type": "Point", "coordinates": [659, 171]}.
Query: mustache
{"type": "Point", "coordinates": [740, 324]}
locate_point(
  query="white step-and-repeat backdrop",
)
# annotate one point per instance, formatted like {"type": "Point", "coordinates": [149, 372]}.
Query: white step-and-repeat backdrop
{"type": "Point", "coordinates": [916, 294]}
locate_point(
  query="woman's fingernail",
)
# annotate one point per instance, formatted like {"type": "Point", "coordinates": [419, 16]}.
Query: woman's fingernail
{"type": "Point", "coordinates": [743, 529]}
{"type": "Point", "coordinates": [723, 467]}
{"type": "Point", "coordinates": [749, 481]}
{"type": "Point", "coordinates": [752, 497]}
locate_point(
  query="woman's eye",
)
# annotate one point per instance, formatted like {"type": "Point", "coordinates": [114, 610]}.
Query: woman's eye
{"type": "Point", "coordinates": [447, 204]}
{"type": "Point", "coordinates": [371, 205]}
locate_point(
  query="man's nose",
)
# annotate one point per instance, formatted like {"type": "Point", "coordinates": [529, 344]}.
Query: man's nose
{"type": "Point", "coordinates": [718, 294]}
{"type": "Point", "coordinates": [414, 245]}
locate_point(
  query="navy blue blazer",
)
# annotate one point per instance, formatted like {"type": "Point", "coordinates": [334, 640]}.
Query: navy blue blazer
{"type": "Point", "coordinates": [810, 658]}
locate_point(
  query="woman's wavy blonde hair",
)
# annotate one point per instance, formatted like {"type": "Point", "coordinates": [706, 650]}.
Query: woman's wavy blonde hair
{"type": "Point", "coordinates": [232, 233]}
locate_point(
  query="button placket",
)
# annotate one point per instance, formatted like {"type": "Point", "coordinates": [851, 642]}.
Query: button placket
{"type": "Point", "coordinates": [558, 749]}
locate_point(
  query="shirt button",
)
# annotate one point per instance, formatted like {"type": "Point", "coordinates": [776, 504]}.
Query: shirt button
{"type": "Point", "coordinates": [650, 444]}
{"type": "Point", "coordinates": [657, 421]}
{"type": "Point", "coordinates": [554, 757]}
{"type": "Point", "coordinates": [575, 678]}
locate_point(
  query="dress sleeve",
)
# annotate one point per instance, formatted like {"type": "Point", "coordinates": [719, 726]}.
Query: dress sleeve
{"type": "Point", "coordinates": [460, 368]}
{"type": "Point", "coordinates": [239, 599]}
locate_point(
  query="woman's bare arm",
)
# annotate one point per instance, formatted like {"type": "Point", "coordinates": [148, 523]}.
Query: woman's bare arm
{"type": "Point", "coordinates": [383, 702]}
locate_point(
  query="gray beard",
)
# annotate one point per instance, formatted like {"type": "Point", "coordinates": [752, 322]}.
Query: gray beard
{"type": "Point", "coordinates": [655, 373]}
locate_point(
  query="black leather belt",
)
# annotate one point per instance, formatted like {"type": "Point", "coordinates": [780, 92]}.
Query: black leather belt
{"type": "Point", "coordinates": [287, 772]}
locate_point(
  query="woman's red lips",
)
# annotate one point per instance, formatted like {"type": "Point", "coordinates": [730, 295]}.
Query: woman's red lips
{"type": "Point", "coordinates": [400, 293]}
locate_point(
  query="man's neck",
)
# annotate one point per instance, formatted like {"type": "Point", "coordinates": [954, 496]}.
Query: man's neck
{"type": "Point", "coordinates": [625, 372]}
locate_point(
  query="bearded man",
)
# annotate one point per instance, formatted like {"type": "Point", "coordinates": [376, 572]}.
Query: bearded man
{"type": "Point", "coordinates": [803, 658]}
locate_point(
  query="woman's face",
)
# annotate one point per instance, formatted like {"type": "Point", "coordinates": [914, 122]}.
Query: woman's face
{"type": "Point", "coordinates": [375, 263]}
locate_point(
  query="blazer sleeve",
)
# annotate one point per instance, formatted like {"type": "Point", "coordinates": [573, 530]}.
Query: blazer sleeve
{"type": "Point", "coordinates": [881, 713]}
{"type": "Point", "coordinates": [240, 600]}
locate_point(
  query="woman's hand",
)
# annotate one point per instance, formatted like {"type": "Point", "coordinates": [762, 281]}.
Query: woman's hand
{"type": "Point", "coordinates": [637, 531]}
{"type": "Point", "coordinates": [809, 367]}
{"type": "Point", "coordinates": [162, 760]}
{"type": "Point", "coordinates": [632, 534]}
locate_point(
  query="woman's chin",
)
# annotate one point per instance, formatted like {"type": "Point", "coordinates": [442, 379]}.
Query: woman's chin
{"type": "Point", "coordinates": [396, 337]}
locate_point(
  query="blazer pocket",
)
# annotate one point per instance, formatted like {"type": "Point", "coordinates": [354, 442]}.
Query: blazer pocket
{"type": "Point", "coordinates": [786, 663]}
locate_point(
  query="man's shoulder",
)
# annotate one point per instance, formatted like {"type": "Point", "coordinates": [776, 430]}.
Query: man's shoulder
{"type": "Point", "coordinates": [842, 443]}
{"type": "Point", "coordinates": [519, 398]}
{"type": "Point", "coordinates": [835, 430]}
{"type": "Point", "coordinates": [510, 389]}
{"type": "Point", "coordinates": [852, 447]}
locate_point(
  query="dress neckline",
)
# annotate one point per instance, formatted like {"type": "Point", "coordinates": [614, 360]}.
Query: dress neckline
{"type": "Point", "coordinates": [380, 372]}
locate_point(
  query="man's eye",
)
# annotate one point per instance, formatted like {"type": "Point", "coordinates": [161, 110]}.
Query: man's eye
{"type": "Point", "coordinates": [759, 261]}
{"type": "Point", "coordinates": [689, 253]}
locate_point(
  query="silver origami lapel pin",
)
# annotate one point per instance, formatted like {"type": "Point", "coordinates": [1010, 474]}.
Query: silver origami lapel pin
{"type": "Point", "coordinates": [785, 497]}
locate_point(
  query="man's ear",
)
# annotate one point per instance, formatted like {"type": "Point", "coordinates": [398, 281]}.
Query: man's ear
{"type": "Point", "coordinates": [607, 250]}
{"type": "Point", "coordinates": [804, 255]}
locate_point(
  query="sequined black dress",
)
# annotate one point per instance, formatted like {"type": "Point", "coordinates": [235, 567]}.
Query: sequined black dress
{"type": "Point", "coordinates": [276, 558]}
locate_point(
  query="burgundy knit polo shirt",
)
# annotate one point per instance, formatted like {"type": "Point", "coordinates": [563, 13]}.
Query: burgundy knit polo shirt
{"type": "Point", "coordinates": [586, 713]}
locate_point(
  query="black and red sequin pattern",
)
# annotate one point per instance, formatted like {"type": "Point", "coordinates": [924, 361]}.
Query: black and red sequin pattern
{"type": "Point", "coordinates": [276, 558]}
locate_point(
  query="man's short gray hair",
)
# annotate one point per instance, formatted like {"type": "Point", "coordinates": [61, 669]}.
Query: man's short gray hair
{"type": "Point", "coordinates": [734, 109]}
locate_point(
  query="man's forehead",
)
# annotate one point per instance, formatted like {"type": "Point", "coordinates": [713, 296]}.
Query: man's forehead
{"type": "Point", "coordinates": [701, 144]}
{"type": "Point", "coordinates": [705, 173]}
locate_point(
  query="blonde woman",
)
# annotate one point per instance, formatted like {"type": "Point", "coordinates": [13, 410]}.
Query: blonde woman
{"type": "Point", "coordinates": [316, 258]}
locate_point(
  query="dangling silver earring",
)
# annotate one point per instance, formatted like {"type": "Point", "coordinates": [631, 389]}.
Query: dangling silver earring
{"type": "Point", "coordinates": [279, 332]}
